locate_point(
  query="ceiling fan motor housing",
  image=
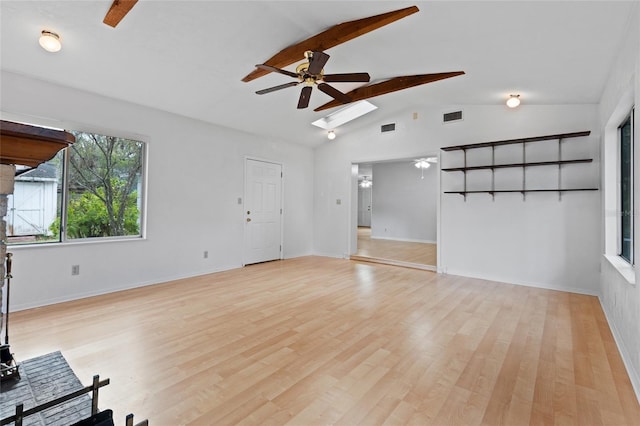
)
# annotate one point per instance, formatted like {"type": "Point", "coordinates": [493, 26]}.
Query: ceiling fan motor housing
{"type": "Point", "coordinates": [305, 77]}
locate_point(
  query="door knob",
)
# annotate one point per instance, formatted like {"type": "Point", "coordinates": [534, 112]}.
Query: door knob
{"type": "Point", "coordinates": [248, 219]}
{"type": "Point", "coordinates": [248, 212]}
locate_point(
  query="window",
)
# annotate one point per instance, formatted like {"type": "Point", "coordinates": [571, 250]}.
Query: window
{"type": "Point", "coordinates": [92, 189]}
{"type": "Point", "coordinates": [626, 188]}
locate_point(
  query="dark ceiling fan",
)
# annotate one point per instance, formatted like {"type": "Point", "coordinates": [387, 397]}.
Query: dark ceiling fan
{"type": "Point", "coordinates": [329, 38]}
{"type": "Point", "coordinates": [311, 73]}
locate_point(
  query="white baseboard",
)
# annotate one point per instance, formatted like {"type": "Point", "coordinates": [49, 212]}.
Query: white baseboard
{"type": "Point", "coordinates": [332, 255]}
{"type": "Point", "coordinates": [406, 240]}
{"type": "Point", "coordinates": [100, 292]}
{"type": "Point", "coordinates": [545, 286]}
{"type": "Point", "coordinates": [294, 255]}
{"type": "Point", "coordinates": [634, 375]}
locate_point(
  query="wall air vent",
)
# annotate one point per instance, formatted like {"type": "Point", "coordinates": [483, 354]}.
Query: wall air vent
{"type": "Point", "coordinates": [388, 127]}
{"type": "Point", "coordinates": [451, 116]}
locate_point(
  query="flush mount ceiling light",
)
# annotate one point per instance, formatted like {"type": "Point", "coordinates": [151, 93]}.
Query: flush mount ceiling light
{"type": "Point", "coordinates": [50, 41]}
{"type": "Point", "coordinates": [513, 101]}
{"type": "Point", "coordinates": [331, 135]}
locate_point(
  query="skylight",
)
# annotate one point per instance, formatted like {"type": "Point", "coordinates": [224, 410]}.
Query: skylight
{"type": "Point", "coordinates": [344, 115]}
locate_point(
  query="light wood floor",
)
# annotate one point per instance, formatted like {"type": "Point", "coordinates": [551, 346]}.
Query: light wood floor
{"type": "Point", "coordinates": [401, 251]}
{"type": "Point", "coordinates": [329, 341]}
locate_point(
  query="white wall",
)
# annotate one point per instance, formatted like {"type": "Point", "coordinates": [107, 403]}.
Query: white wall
{"type": "Point", "coordinates": [404, 204]}
{"type": "Point", "coordinates": [540, 242]}
{"type": "Point", "coordinates": [195, 171]}
{"type": "Point", "coordinates": [620, 295]}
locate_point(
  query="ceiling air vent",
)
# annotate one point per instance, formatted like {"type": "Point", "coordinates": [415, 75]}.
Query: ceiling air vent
{"type": "Point", "coordinates": [452, 116]}
{"type": "Point", "coordinates": [388, 127]}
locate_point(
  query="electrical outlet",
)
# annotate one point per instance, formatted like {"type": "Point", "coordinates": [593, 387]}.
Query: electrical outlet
{"type": "Point", "coordinates": [75, 269]}
{"type": "Point", "coordinates": [206, 254]}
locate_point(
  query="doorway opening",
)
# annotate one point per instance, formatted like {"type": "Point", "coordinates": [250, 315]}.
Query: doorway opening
{"type": "Point", "coordinates": [396, 219]}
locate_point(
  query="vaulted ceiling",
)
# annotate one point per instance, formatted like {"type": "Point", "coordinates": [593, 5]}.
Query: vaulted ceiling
{"type": "Point", "coordinates": [188, 57]}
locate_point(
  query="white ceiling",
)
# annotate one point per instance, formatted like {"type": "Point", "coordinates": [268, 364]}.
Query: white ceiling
{"type": "Point", "coordinates": [188, 57]}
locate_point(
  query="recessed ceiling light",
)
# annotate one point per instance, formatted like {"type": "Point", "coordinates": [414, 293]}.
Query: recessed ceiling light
{"type": "Point", "coordinates": [50, 41]}
{"type": "Point", "coordinates": [331, 135]}
{"type": "Point", "coordinates": [513, 101]}
{"type": "Point", "coordinates": [344, 115]}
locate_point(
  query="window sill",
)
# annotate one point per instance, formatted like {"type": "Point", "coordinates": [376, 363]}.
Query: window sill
{"type": "Point", "coordinates": [623, 267]}
{"type": "Point", "coordinates": [84, 241]}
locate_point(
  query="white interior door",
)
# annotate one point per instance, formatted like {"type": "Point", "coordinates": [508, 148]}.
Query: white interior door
{"type": "Point", "coordinates": [262, 211]}
{"type": "Point", "coordinates": [364, 206]}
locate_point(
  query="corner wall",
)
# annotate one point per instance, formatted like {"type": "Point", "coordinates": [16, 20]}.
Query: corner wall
{"type": "Point", "coordinates": [195, 177]}
{"type": "Point", "coordinates": [620, 298]}
{"type": "Point", "coordinates": [541, 242]}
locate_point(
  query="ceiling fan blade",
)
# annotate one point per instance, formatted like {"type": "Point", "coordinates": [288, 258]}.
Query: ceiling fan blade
{"type": "Point", "coordinates": [317, 62]}
{"type": "Point", "coordinates": [391, 85]}
{"type": "Point", "coordinates": [334, 93]}
{"type": "Point", "coordinates": [117, 11]}
{"type": "Point", "coordinates": [305, 95]}
{"type": "Point", "coordinates": [356, 77]}
{"type": "Point", "coordinates": [274, 88]}
{"type": "Point", "coordinates": [274, 69]}
{"type": "Point", "coordinates": [334, 36]}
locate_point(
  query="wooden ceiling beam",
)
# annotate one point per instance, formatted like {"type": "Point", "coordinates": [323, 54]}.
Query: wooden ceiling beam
{"type": "Point", "coordinates": [117, 11]}
{"type": "Point", "coordinates": [392, 85]}
{"type": "Point", "coordinates": [334, 36]}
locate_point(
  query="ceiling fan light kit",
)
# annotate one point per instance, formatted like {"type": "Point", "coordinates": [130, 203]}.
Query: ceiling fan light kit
{"type": "Point", "coordinates": [311, 73]}
{"type": "Point", "coordinates": [366, 183]}
{"type": "Point", "coordinates": [331, 135]}
{"type": "Point", "coordinates": [50, 41]}
{"type": "Point", "coordinates": [425, 163]}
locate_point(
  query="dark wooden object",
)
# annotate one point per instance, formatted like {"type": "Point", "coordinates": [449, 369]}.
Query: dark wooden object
{"type": "Point", "coordinates": [334, 36]}
{"type": "Point", "coordinates": [504, 166]}
{"type": "Point", "coordinates": [524, 164]}
{"type": "Point", "coordinates": [392, 85]}
{"type": "Point", "coordinates": [27, 145]}
{"type": "Point", "coordinates": [18, 418]}
{"type": "Point", "coordinates": [515, 141]}
{"type": "Point", "coordinates": [519, 190]}
{"type": "Point", "coordinates": [21, 413]}
{"type": "Point", "coordinates": [117, 11]}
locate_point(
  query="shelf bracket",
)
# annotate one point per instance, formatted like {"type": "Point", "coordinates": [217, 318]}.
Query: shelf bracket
{"type": "Point", "coordinates": [560, 168]}
{"type": "Point", "coordinates": [524, 170]}
{"type": "Point", "coordinates": [464, 151]}
{"type": "Point", "coordinates": [493, 173]}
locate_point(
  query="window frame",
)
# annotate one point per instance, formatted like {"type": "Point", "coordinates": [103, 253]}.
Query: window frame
{"type": "Point", "coordinates": [65, 196]}
{"type": "Point", "coordinates": [627, 120]}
